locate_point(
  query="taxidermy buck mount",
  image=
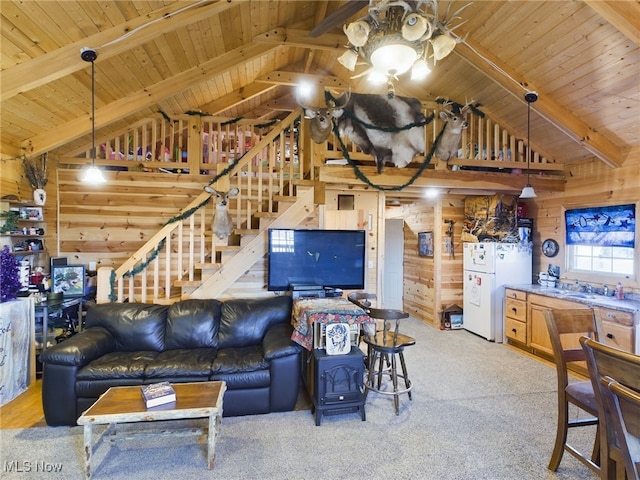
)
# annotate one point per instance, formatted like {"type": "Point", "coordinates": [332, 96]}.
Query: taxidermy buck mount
{"type": "Point", "coordinates": [222, 224]}
{"type": "Point", "coordinates": [455, 118]}
{"type": "Point", "coordinates": [375, 123]}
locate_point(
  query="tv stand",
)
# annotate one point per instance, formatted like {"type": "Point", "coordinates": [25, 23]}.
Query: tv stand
{"type": "Point", "coordinates": [306, 290]}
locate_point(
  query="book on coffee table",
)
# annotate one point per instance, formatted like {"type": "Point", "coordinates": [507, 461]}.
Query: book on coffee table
{"type": "Point", "coordinates": [158, 394]}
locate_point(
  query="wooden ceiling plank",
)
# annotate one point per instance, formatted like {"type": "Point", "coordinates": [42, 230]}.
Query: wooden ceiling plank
{"type": "Point", "coordinates": [142, 99]}
{"type": "Point", "coordinates": [66, 60]}
{"type": "Point", "coordinates": [622, 15]}
{"type": "Point", "coordinates": [554, 113]}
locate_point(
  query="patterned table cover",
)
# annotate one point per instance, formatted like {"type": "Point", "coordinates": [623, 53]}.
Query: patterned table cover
{"type": "Point", "coordinates": [308, 311]}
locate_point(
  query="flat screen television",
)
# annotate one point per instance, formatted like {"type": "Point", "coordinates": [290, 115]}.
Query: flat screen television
{"type": "Point", "coordinates": [325, 258]}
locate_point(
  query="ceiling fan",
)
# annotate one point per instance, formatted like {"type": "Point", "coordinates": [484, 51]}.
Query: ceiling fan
{"type": "Point", "coordinates": [338, 17]}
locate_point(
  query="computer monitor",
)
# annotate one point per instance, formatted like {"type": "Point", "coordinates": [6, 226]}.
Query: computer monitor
{"type": "Point", "coordinates": [57, 262]}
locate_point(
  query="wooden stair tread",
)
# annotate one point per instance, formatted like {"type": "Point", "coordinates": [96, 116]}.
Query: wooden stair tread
{"type": "Point", "coordinates": [187, 283]}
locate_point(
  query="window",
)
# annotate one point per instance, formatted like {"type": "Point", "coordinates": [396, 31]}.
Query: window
{"type": "Point", "coordinates": [606, 260]}
{"type": "Point", "coordinates": [601, 239]}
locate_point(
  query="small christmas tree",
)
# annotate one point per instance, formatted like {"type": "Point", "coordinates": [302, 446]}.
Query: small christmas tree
{"type": "Point", "coordinates": [9, 278]}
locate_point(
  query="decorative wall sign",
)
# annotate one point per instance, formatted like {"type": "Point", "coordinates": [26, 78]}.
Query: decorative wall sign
{"type": "Point", "coordinates": [425, 244]}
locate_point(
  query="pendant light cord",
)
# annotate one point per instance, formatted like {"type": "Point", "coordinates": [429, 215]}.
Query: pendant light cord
{"type": "Point", "coordinates": [93, 113]}
{"type": "Point", "coordinates": [528, 140]}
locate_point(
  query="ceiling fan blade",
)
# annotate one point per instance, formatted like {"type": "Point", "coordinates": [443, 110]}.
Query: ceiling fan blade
{"type": "Point", "coordinates": [338, 17]}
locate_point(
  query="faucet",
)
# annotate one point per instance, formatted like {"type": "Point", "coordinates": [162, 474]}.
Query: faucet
{"type": "Point", "coordinates": [587, 288]}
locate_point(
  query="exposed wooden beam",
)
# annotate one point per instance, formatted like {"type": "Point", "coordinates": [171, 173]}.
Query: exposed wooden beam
{"type": "Point", "coordinates": [66, 60]}
{"type": "Point", "coordinates": [237, 97]}
{"type": "Point", "coordinates": [300, 38]}
{"type": "Point", "coordinates": [279, 77]}
{"type": "Point", "coordinates": [142, 99]}
{"type": "Point", "coordinates": [625, 16]}
{"type": "Point", "coordinates": [553, 112]}
{"type": "Point", "coordinates": [338, 17]}
{"type": "Point", "coordinates": [445, 179]}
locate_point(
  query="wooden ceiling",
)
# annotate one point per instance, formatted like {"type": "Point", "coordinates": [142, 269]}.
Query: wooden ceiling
{"type": "Point", "coordinates": [241, 58]}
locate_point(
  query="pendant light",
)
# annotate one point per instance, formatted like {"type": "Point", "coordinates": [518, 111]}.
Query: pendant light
{"type": "Point", "coordinates": [93, 175]}
{"type": "Point", "coordinates": [528, 191]}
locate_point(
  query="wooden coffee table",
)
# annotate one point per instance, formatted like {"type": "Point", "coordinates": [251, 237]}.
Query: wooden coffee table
{"type": "Point", "coordinates": [125, 405]}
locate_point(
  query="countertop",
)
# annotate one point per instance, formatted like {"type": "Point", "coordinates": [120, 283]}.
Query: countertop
{"type": "Point", "coordinates": [591, 299]}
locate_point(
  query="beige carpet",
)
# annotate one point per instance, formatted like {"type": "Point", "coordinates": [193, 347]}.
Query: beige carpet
{"type": "Point", "coordinates": [480, 411]}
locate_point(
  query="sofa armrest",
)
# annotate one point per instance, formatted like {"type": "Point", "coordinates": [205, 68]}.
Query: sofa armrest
{"type": "Point", "coordinates": [277, 342]}
{"type": "Point", "coordinates": [80, 349]}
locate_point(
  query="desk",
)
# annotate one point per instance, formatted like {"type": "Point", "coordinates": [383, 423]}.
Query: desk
{"type": "Point", "coordinates": [43, 310]}
{"type": "Point", "coordinates": [306, 312]}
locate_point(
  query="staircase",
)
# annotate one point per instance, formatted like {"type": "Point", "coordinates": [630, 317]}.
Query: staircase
{"type": "Point", "coordinates": [185, 260]}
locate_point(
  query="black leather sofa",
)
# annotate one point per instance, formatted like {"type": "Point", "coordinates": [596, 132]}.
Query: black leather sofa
{"type": "Point", "coordinates": [245, 342]}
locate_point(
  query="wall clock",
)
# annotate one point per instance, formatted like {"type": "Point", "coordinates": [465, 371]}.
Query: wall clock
{"type": "Point", "coordinates": [550, 247]}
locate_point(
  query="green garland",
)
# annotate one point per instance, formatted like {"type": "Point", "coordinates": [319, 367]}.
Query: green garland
{"type": "Point", "coordinates": [160, 246]}
{"type": "Point", "coordinates": [363, 177]}
{"type": "Point", "coordinates": [187, 213]}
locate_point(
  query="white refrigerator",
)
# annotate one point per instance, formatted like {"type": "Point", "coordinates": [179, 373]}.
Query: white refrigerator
{"type": "Point", "coordinates": [487, 268]}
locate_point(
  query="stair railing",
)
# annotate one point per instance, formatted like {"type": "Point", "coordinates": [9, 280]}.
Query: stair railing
{"type": "Point", "coordinates": [267, 169]}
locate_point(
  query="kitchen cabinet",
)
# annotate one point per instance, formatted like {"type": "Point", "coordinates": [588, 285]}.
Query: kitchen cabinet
{"type": "Point", "coordinates": [525, 324]}
{"type": "Point", "coordinates": [539, 339]}
{"type": "Point", "coordinates": [515, 311]}
{"type": "Point", "coordinates": [616, 328]}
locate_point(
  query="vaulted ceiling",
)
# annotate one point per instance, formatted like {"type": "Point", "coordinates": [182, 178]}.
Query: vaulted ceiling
{"type": "Point", "coordinates": [243, 58]}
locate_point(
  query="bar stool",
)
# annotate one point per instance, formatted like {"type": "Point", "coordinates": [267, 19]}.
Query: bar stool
{"type": "Point", "coordinates": [384, 347]}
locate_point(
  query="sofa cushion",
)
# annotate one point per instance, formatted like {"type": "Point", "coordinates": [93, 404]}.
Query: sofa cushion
{"type": "Point", "coordinates": [241, 368]}
{"type": "Point", "coordinates": [118, 365]}
{"type": "Point", "coordinates": [193, 324]}
{"type": "Point", "coordinates": [182, 363]}
{"type": "Point", "coordinates": [134, 326]}
{"type": "Point", "coordinates": [245, 321]}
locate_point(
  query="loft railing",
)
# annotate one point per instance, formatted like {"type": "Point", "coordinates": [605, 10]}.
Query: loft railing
{"type": "Point", "coordinates": [484, 144]}
{"type": "Point", "coordinates": [262, 171]}
{"type": "Point", "coordinates": [262, 160]}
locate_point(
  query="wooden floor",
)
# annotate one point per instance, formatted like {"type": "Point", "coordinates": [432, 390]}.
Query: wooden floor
{"type": "Point", "coordinates": [24, 411]}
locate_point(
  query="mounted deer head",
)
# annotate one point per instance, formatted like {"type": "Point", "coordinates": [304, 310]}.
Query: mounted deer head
{"type": "Point", "coordinates": [222, 224]}
{"type": "Point", "coordinates": [455, 117]}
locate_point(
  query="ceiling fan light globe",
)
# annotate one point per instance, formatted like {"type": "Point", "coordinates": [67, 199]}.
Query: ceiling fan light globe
{"type": "Point", "coordinates": [348, 59]}
{"type": "Point", "coordinates": [393, 57]}
{"type": "Point", "coordinates": [357, 33]}
{"type": "Point", "coordinates": [420, 70]}
{"type": "Point", "coordinates": [377, 78]}
{"type": "Point", "coordinates": [442, 45]}
{"type": "Point", "coordinates": [414, 27]}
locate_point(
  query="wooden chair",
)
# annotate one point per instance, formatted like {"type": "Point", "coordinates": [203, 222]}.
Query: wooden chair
{"type": "Point", "coordinates": [607, 364]}
{"type": "Point", "coordinates": [625, 408]}
{"type": "Point", "coordinates": [383, 346]}
{"type": "Point", "coordinates": [565, 327]}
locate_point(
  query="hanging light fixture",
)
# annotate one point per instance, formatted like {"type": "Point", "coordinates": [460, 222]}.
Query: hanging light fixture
{"type": "Point", "coordinates": [394, 38]}
{"type": "Point", "coordinates": [528, 191]}
{"type": "Point", "coordinates": [93, 174]}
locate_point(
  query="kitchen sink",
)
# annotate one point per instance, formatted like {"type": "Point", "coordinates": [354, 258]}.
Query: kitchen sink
{"type": "Point", "coordinates": [579, 295]}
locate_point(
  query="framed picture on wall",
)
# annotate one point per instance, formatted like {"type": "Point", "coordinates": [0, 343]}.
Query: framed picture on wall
{"type": "Point", "coordinates": [68, 280]}
{"type": "Point", "coordinates": [425, 244]}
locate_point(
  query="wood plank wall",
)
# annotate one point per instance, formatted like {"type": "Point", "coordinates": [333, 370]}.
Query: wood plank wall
{"type": "Point", "coordinates": [432, 283]}
{"type": "Point", "coordinates": [591, 183]}
{"type": "Point", "coordinates": [106, 224]}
